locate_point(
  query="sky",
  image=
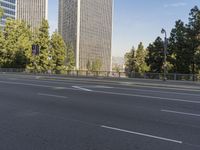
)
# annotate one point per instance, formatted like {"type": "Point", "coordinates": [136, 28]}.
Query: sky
{"type": "Point", "coordinates": [138, 20]}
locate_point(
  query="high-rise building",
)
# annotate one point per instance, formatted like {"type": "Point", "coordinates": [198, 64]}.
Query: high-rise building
{"type": "Point", "coordinates": [87, 26]}
{"type": "Point", "coordinates": [9, 8]}
{"type": "Point", "coordinates": [32, 11]}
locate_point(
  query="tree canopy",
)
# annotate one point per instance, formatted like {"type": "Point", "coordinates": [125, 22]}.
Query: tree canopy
{"type": "Point", "coordinates": [17, 40]}
{"type": "Point", "coordinates": [183, 51]}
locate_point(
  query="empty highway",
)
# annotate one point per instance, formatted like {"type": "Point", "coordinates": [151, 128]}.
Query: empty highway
{"type": "Point", "coordinates": [49, 114]}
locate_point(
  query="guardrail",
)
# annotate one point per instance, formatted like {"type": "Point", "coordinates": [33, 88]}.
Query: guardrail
{"type": "Point", "coordinates": [85, 73]}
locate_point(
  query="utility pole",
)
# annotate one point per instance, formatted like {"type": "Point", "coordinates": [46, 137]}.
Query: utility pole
{"type": "Point", "coordinates": [163, 31]}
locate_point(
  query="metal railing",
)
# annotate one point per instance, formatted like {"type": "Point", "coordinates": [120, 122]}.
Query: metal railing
{"type": "Point", "coordinates": [170, 76]}
{"type": "Point", "coordinates": [12, 70]}
{"type": "Point", "coordinates": [108, 74]}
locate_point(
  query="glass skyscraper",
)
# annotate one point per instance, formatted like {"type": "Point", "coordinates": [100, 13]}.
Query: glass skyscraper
{"type": "Point", "coordinates": [32, 11]}
{"type": "Point", "coordinates": [87, 26]}
{"type": "Point", "coordinates": [9, 8]}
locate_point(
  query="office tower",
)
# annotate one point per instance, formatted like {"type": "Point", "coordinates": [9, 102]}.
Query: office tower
{"type": "Point", "coordinates": [87, 26]}
{"type": "Point", "coordinates": [32, 11]}
{"type": "Point", "coordinates": [9, 8]}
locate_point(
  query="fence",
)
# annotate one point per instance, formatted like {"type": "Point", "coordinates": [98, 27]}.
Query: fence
{"type": "Point", "coordinates": [170, 76]}
{"type": "Point", "coordinates": [107, 74]}
{"type": "Point", "coordinates": [12, 70]}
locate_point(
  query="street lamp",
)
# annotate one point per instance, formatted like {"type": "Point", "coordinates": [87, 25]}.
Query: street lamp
{"type": "Point", "coordinates": [163, 31]}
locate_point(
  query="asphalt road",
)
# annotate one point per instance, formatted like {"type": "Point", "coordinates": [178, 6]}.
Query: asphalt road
{"type": "Point", "coordinates": [38, 114]}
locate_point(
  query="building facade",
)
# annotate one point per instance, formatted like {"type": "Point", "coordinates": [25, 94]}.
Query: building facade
{"type": "Point", "coordinates": [87, 26]}
{"type": "Point", "coordinates": [32, 11]}
{"type": "Point", "coordinates": [9, 8]}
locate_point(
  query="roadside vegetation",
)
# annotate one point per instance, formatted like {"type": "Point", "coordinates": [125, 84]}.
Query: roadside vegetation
{"type": "Point", "coordinates": [183, 50]}
{"type": "Point", "coordinates": [16, 48]}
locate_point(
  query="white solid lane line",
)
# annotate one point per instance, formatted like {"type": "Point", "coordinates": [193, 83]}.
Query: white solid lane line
{"type": "Point", "coordinates": [180, 113]}
{"type": "Point", "coordinates": [142, 134]}
{"type": "Point", "coordinates": [81, 88]}
{"type": "Point", "coordinates": [50, 95]}
{"type": "Point", "coordinates": [160, 92]}
{"type": "Point", "coordinates": [120, 88]}
{"type": "Point", "coordinates": [97, 86]}
{"type": "Point", "coordinates": [147, 96]}
{"type": "Point", "coordinates": [35, 85]}
{"type": "Point", "coordinates": [103, 92]}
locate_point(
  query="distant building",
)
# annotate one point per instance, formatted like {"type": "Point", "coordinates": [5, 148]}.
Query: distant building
{"type": "Point", "coordinates": [32, 11]}
{"type": "Point", "coordinates": [87, 26]}
{"type": "Point", "coordinates": [9, 7]}
{"type": "Point", "coordinates": [118, 62]}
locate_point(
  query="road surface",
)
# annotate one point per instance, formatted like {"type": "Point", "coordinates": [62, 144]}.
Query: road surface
{"type": "Point", "coordinates": [45, 114]}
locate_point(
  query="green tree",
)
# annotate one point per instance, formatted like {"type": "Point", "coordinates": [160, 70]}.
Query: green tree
{"type": "Point", "coordinates": [180, 54]}
{"type": "Point", "coordinates": [89, 65]}
{"type": "Point", "coordinates": [34, 60]}
{"type": "Point", "coordinates": [42, 62]}
{"type": "Point", "coordinates": [140, 65]}
{"type": "Point", "coordinates": [96, 65]}
{"type": "Point", "coordinates": [155, 56]}
{"type": "Point", "coordinates": [17, 43]}
{"type": "Point", "coordinates": [130, 61]}
{"type": "Point", "coordinates": [194, 38]}
{"type": "Point", "coordinates": [2, 49]}
{"type": "Point", "coordinates": [117, 68]}
{"type": "Point", "coordinates": [11, 37]}
{"type": "Point", "coordinates": [1, 13]}
{"type": "Point", "coordinates": [2, 41]}
{"type": "Point", "coordinates": [44, 42]}
{"type": "Point", "coordinates": [70, 58]}
{"type": "Point", "coordinates": [24, 44]}
{"type": "Point", "coordinates": [58, 53]}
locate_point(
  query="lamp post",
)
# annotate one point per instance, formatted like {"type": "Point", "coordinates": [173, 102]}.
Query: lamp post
{"type": "Point", "coordinates": [163, 31]}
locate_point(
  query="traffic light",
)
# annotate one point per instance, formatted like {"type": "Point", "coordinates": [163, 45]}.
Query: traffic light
{"type": "Point", "coordinates": [35, 49]}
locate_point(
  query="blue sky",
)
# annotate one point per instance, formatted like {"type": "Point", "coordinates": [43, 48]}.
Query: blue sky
{"type": "Point", "coordinates": [138, 20]}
